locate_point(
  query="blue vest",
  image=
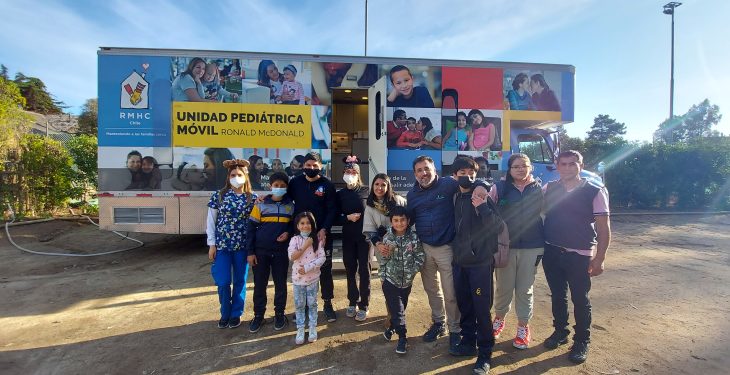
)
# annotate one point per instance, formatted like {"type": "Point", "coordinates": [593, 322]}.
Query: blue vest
{"type": "Point", "coordinates": [521, 211]}
{"type": "Point", "coordinates": [569, 218]}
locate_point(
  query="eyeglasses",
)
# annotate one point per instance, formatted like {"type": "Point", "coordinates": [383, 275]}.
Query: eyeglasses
{"type": "Point", "coordinates": [520, 167]}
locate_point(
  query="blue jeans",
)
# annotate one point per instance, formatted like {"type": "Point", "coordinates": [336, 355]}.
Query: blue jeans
{"type": "Point", "coordinates": [306, 295]}
{"type": "Point", "coordinates": [231, 301]}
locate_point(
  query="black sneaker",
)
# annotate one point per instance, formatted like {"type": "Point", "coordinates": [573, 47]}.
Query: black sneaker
{"type": "Point", "coordinates": [234, 322]}
{"type": "Point", "coordinates": [579, 352]}
{"type": "Point", "coordinates": [481, 367]}
{"type": "Point", "coordinates": [280, 321]}
{"type": "Point", "coordinates": [402, 346]}
{"type": "Point", "coordinates": [454, 340]}
{"type": "Point", "coordinates": [388, 334]}
{"type": "Point", "coordinates": [329, 312]}
{"type": "Point", "coordinates": [223, 323]}
{"type": "Point", "coordinates": [256, 323]}
{"type": "Point", "coordinates": [556, 339]}
{"type": "Point", "coordinates": [437, 330]}
{"type": "Point", "coordinates": [463, 350]}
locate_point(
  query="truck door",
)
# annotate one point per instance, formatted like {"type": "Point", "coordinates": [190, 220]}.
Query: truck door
{"type": "Point", "coordinates": [377, 140]}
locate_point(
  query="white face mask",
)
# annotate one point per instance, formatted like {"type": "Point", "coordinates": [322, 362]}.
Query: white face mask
{"type": "Point", "coordinates": [350, 179]}
{"type": "Point", "coordinates": [237, 181]}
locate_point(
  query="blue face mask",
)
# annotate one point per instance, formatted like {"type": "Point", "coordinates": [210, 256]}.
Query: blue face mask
{"type": "Point", "coordinates": [278, 192]}
{"type": "Point", "coordinates": [305, 234]}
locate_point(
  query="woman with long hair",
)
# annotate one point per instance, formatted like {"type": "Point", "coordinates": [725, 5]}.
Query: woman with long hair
{"type": "Point", "coordinates": [380, 202]}
{"type": "Point", "coordinates": [216, 175]}
{"type": "Point", "coordinates": [228, 213]}
{"type": "Point", "coordinates": [269, 76]}
{"type": "Point", "coordinates": [519, 198]}
{"type": "Point", "coordinates": [187, 86]}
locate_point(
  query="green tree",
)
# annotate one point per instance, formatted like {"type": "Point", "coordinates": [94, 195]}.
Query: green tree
{"type": "Point", "coordinates": [606, 129]}
{"type": "Point", "coordinates": [4, 72]}
{"type": "Point", "coordinates": [13, 122]}
{"type": "Point", "coordinates": [88, 120]}
{"type": "Point", "coordinates": [83, 150]}
{"type": "Point", "coordinates": [697, 123]}
{"type": "Point", "coordinates": [37, 97]}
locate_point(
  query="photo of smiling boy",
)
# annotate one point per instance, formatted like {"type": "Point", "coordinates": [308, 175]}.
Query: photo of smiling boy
{"type": "Point", "coordinates": [404, 94]}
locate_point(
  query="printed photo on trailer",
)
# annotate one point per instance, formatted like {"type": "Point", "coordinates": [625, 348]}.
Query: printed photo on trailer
{"type": "Point", "coordinates": [414, 128]}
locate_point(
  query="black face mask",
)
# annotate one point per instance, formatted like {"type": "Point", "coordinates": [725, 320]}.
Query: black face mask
{"type": "Point", "coordinates": [311, 173]}
{"type": "Point", "coordinates": [465, 182]}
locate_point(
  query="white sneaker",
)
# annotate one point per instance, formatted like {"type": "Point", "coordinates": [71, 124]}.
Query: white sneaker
{"type": "Point", "coordinates": [312, 334]}
{"type": "Point", "coordinates": [351, 311]}
{"type": "Point", "coordinates": [361, 315]}
{"type": "Point", "coordinates": [497, 327]}
{"type": "Point", "coordinates": [299, 340]}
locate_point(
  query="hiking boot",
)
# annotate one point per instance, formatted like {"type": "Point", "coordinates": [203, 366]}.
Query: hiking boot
{"type": "Point", "coordinates": [388, 334]}
{"type": "Point", "coordinates": [351, 311]}
{"type": "Point", "coordinates": [299, 340]}
{"type": "Point", "coordinates": [223, 323]}
{"type": "Point", "coordinates": [481, 367]}
{"type": "Point", "coordinates": [329, 312]}
{"type": "Point", "coordinates": [579, 352]}
{"type": "Point", "coordinates": [497, 327]}
{"type": "Point", "coordinates": [463, 350]}
{"type": "Point", "coordinates": [256, 324]}
{"type": "Point", "coordinates": [234, 322]}
{"type": "Point", "coordinates": [361, 315]}
{"type": "Point", "coordinates": [437, 330]}
{"type": "Point", "coordinates": [556, 339]}
{"type": "Point", "coordinates": [522, 340]}
{"type": "Point", "coordinates": [402, 346]}
{"type": "Point", "coordinates": [280, 321]}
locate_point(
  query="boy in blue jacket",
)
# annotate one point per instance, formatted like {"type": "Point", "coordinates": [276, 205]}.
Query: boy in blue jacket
{"type": "Point", "coordinates": [267, 241]}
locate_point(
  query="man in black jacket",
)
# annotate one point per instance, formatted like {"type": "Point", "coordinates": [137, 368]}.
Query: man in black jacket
{"type": "Point", "coordinates": [477, 227]}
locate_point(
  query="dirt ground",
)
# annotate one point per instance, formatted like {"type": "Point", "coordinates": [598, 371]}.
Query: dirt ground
{"type": "Point", "coordinates": [662, 306]}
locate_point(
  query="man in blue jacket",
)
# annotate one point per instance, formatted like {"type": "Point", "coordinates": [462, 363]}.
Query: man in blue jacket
{"type": "Point", "coordinates": [431, 209]}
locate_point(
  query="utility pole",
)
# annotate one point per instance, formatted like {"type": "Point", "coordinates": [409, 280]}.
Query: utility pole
{"type": "Point", "coordinates": [669, 9]}
{"type": "Point", "coordinates": [366, 27]}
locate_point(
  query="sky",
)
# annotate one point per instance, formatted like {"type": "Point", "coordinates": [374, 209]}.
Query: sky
{"type": "Point", "coordinates": [620, 48]}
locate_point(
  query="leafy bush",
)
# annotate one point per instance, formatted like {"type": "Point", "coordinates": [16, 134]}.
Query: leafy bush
{"type": "Point", "coordinates": [44, 174]}
{"type": "Point", "coordinates": [688, 176]}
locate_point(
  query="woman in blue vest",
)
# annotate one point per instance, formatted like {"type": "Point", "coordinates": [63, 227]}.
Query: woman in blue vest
{"type": "Point", "coordinates": [519, 198]}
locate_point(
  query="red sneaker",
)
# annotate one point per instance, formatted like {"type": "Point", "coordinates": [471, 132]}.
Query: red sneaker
{"type": "Point", "coordinates": [497, 327]}
{"type": "Point", "coordinates": [522, 340]}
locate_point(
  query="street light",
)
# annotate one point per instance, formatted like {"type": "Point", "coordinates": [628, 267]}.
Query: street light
{"type": "Point", "coordinates": [669, 9]}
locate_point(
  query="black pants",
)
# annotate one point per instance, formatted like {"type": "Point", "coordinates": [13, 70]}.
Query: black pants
{"type": "Point", "coordinates": [326, 284]}
{"type": "Point", "coordinates": [397, 300]}
{"type": "Point", "coordinates": [474, 297]}
{"type": "Point", "coordinates": [355, 256]}
{"type": "Point", "coordinates": [563, 270]}
{"type": "Point", "coordinates": [275, 263]}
